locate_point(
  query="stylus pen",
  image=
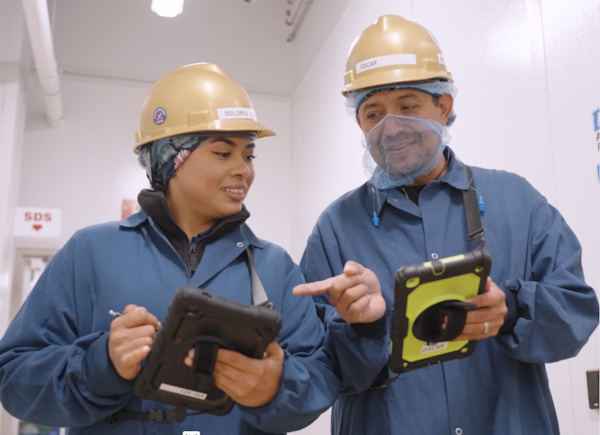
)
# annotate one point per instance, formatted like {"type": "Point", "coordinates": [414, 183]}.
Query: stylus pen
{"type": "Point", "coordinates": [117, 314]}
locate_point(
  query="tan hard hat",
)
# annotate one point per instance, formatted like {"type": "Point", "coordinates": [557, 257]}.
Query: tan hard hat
{"type": "Point", "coordinates": [393, 50]}
{"type": "Point", "coordinates": [196, 98]}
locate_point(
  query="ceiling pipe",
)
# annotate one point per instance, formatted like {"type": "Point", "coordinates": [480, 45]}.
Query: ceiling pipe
{"type": "Point", "coordinates": [304, 6]}
{"type": "Point", "coordinates": [40, 37]}
{"type": "Point", "coordinates": [291, 13]}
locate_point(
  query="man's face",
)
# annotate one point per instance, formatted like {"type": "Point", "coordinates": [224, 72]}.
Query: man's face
{"type": "Point", "coordinates": [402, 146]}
{"type": "Point", "coordinates": [402, 102]}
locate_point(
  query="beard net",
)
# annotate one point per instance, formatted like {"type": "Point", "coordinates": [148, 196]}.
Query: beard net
{"type": "Point", "coordinates": [400, 149]}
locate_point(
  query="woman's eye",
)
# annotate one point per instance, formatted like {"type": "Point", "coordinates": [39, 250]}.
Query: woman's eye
{"type": "Point", "coordinates": [223, 155]}
{"type": "Point", "coordinates": [251, 157]}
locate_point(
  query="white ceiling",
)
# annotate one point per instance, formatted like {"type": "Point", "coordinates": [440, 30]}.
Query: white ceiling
{"type": "Point", "coordinates": [124, 39]}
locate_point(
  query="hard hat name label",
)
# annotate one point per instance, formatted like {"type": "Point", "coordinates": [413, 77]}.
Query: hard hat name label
{"type": "Point", "coordinates": [236, 113]}
{"type": "Point", "coordinates": [380, 62]}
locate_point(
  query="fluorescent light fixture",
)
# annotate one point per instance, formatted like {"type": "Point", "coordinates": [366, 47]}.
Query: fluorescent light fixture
{"type": "Point", "coordinates": [167, 8]}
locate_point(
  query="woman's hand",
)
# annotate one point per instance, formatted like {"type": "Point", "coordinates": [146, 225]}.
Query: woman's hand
{"type": "Point", "coordinates": [248, 381]}
{"type": "Point", "coordinates": [131, 336]}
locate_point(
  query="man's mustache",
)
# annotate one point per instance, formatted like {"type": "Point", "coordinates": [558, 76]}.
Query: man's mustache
{"type": "Point", "coordinates": [398, 141]}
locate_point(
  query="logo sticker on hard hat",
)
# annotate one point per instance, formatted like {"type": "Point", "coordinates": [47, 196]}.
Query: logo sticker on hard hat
{"type": "Point", "coordinates": [159, 116]}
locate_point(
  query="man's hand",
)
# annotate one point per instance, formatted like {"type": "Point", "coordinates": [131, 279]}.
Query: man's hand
{"type": "Point", "coordinates": [131, 336]}
{"type": "Point", "coordinates": [355, 294]}
{"type": "Point", "coordinates": [492, 309]}
{"type": "Point", "coordinates": [248, 381]}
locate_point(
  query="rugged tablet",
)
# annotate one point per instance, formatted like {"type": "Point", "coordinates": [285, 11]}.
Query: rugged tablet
{"type": "Point", "coordinates": [201, 320]}
{"type": "Point", "coordinates": [430, 309]}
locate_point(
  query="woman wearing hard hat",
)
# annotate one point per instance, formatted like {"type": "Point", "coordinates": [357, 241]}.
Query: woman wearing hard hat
{"type": "Point", "coordinates": [64, 363]}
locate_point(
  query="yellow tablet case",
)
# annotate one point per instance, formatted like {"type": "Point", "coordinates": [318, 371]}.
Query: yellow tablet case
{"type": "Point", "coordinates": [421, 286]}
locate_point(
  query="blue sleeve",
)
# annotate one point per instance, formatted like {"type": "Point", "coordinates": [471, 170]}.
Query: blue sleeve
{"type": "Point", "coordinates": [50, 373]}
{"type": "Point", "coordinates": [359, 352]}
{"type": "Point", "coordinates": [555, 311]}
{"type": "Point", "coordinates": [309, 384]}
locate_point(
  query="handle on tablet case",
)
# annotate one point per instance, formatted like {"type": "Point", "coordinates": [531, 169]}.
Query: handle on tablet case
{"type": "Point", "coordinates": [205, 356]}
{"type": "Point", "coordinates": [428, 326]}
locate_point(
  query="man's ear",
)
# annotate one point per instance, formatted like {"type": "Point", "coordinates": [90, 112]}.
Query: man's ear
{"type": "Point", "coordinates": [445, 103]}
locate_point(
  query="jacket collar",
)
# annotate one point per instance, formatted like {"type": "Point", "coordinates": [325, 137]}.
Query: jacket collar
{"type": "Point", "coordinates": [456, 177]}
{"type": "Point", "coordinates": [140, 218]}
{"type": "Point", "coordinates": [135, 220]}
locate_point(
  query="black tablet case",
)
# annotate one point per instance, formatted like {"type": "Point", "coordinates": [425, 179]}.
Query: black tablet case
{"type": "Point", "coordinates": [197, 316]}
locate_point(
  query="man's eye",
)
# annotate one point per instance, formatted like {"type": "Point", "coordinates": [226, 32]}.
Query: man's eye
{"type": "Point", "coordinates": [408, 107]}
{"type": "Point", "coordinates": [251, 157]}
{"type": "Point", "coordinates": [372, 115]}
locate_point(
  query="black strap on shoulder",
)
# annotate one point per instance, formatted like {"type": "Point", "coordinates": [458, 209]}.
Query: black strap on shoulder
{"type": "Point", "coordinates": [173, 415]}
{"type": "Point", "coordinates": [474, 227]}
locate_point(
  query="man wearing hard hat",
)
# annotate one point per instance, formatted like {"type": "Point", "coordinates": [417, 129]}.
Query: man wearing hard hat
{"type": "Point", "coordinates": [536, 307]}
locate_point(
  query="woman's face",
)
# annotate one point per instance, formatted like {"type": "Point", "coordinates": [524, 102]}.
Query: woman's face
{"type": "Point", "coordinates": [214, 180]}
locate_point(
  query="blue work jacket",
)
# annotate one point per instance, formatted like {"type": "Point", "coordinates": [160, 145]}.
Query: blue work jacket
{"type": "Point", "coordinates": [502, 389]}
{"type": "Point", "coordinates": [54, 364]}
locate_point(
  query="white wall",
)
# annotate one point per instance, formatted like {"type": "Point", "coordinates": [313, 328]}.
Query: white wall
{"type": "Point", "coordinates": [527, 71]}
{"type": "Point", "coordinates": [87, 166]}
{"type": "Point", "coordinates": [12, 117]}
{"type": "Point", "coordinates": [573, 91]}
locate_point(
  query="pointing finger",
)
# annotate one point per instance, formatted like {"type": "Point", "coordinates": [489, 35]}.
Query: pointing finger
{"type": "Point", "coordinates": [313, 288]}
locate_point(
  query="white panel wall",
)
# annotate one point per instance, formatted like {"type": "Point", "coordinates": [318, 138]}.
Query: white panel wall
{"type": "Point", "coordinates": [573, 70]}
{"type": "Point", "coordinates": [12, 118]}
{"type": "Point", "coordinates": [527, 71]}
{"type": "Point", "coordinates": [320, 22]}
{"type": "Point", "coordinates": [87, 166]}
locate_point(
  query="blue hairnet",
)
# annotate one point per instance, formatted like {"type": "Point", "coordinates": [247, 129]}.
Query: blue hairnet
{"type": "Point", "coordinates": [435, 88]}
